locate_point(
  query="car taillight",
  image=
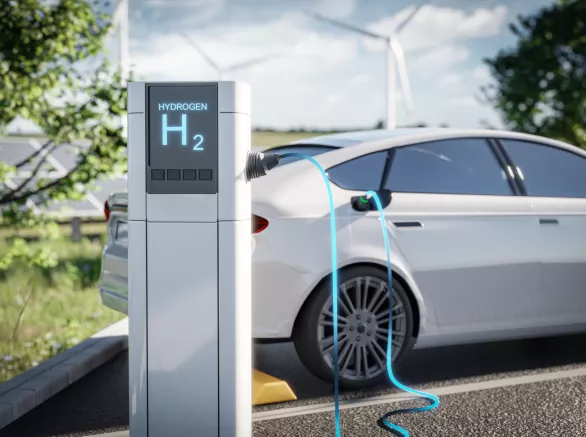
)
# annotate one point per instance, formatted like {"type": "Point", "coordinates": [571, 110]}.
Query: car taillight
{"type": "Point", "coordinates": [259, 224]}
{"type": "Point", "coordinates": [106, 210]}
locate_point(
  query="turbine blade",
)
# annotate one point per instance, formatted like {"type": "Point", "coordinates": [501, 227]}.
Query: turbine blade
{"type": "Point", "coordinates": [252, 62]}
{"type": "Point", "coordinates": [406, 21]}
{"type": "Point", "coordinates": [200, 51]}
{"type": "Point", "coordinates": [403, 75]}
{"type": "Point", "coordinates": [347, 26]}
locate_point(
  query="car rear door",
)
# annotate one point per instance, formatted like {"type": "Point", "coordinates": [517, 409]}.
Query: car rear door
{"type": "Point", "coordinates": [467, 236]}
{"type": "Point", "coordinates": [555, 181]}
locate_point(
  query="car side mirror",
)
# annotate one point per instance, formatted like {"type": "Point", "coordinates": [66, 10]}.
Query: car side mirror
{"type": "Point", "coordinates": [365, 203]}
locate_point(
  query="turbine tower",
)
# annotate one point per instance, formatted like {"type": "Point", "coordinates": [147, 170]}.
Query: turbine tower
{"type": "Point", "coordinates": [395, 59]}
{"type": "Point", "coordinates": [120, 20]}
{"type": "Point", "coordinates": [221, 71]}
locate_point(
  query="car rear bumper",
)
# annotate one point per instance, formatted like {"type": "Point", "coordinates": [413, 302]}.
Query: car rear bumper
{"type": "Point", "coordinates": [114, 300]}
{"type": "Point", "coordinates": [288, 261]}
{"type": "Point", "coordinates": [276, 297]}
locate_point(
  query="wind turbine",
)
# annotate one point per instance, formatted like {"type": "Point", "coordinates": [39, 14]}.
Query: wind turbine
{"type": "Point", "coordinates": [221, 71]}
{"type": "Point", "coordinates": [395, 59]}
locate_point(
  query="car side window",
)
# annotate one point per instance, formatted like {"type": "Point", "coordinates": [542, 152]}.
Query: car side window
{"type": "Point", "coordinates": [548, 171]}
{"type": "Point", "coordinates": [360, 174]}
{"type": "Point", "coordinates": [454, 166]}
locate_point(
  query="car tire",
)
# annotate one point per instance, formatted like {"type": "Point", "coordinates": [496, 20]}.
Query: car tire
{"type": "Point", "coordinates": [311, 328]}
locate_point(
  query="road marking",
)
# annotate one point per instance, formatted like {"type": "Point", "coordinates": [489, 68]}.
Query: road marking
{"type": "Point", "coordinates": [401, 397]}
{"type": "Point", "coordinates": [113, 434]}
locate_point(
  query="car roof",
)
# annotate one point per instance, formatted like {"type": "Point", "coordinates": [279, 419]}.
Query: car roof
{"type": "Point", "coordinates": [350, 145]}
{"type": "Point", "coordinates": [344, 139]}
{"type": "Point", "coordinates": [401, 136]}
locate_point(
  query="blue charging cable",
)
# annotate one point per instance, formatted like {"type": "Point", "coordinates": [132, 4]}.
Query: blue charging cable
{"type": "Point", "coordinates": [384, 422]}
{"type": "Point", "coordinates": [434, 400]}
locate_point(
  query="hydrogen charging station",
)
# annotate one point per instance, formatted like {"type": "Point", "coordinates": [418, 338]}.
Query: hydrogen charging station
{"type": "Point", "coordinates": [189, 197]}
{"type": "Point", "coordinates": [189, 261]}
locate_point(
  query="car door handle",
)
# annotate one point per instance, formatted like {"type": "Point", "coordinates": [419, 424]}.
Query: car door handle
{"type": "Point", "coordinates": [544, 221]}
{"type": "Point", "coordinates": [408, 224]}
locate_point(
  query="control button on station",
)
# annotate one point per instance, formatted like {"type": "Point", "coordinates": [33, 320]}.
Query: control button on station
{"type": "Point", "coordinates": [205, 175]}
{"type": "Point", "coordinates": [173, 175]}
{"type": "Point", "coordinates": [158, 175]}
{"type": "Point", "coordinates": [189, 175]}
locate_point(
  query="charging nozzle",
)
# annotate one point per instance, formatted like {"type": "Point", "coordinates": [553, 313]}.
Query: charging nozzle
{"type": "Point", "coordinates": [259, 164]}
{"type": "Point", "coordinates": [360, 203]}
{"type": "Point", "coordinates": [367, 202]}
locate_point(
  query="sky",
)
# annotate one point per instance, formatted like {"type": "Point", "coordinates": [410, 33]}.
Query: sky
{"type": "Point", "coordinates": [321, 76]}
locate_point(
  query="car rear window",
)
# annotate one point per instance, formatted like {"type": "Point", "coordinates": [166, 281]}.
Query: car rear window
{"type": "Point", "coordinates": [305, 149]}
{"type": "Point", "coordinates": [122, 231]}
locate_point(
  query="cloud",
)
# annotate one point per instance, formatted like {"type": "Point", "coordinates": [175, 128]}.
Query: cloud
{"type": "Point", "coordinates": [463, 102]}
{"type": "Point", "coordinates": [171, 57]}
{"type": "Point", "coordinates": [441, 58]}
{"type": "Point", "coordinates": [449, 80]}
{"type": "Point", "coordinates": [481, 74]}
{"type": "Point", "coordinates": [335, 98]}
{"type": "Point", "coordinates": [191, 3]}
{"type": "Point", "coordinates": [434, 26]}
{"type": "Point", "coordinates": [322, 80]}
{"type": "Point", "coordinates": [191, 11]}
{"type": "Point", "coordinates": [361, 79]}
{"type": "Point", "coordinates": [339, 9]}
{"type": "Point", "coordinates": [291, 90]}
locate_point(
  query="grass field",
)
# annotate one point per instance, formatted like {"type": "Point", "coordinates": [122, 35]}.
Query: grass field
{"type": "Point", "coordinates": [268, 139]}
{"type": "Point", "coordinates": [64, 306]}
{"type": "Point", "coordinates": [87, 228]}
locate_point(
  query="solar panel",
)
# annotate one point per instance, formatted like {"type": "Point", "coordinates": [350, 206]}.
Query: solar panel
{"type": "Point", "coordinates": [15, 151]}
{"type": "Point", "coordinates": [58, 163]}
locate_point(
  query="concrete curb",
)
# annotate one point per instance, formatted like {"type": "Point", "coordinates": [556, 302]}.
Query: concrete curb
{"type": "Point", "coordinates": [26, 391]}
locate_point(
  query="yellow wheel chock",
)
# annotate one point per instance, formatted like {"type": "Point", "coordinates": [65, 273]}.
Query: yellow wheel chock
{"type": "Point", "coordinates": [267, 389]}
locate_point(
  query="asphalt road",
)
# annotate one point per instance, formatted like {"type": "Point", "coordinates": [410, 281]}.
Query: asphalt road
{"type": "Point", "coordinates": [554, 408]}
{"type": "Point", "coordinates": [99, 402]}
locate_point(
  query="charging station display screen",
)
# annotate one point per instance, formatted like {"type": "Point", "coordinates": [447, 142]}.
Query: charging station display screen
{"type": "Point", "coordinates": [182, 137]}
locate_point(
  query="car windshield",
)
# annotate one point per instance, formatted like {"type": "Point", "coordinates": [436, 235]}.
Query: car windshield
{"type": "Point", "coordinates": [305, 149]}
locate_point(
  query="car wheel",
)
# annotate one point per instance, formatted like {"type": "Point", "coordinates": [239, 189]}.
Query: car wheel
{"type": "Point", "coordinates": [363, 322]}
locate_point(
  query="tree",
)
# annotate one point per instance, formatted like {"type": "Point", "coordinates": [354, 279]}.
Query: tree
{"type": "Point", "coordinates": [53, 71]}
{"type": "Point", "coordinates": [540, 84]}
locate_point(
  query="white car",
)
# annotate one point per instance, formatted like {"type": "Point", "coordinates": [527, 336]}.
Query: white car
{"type": "Point", "coordinates": [487, 232]}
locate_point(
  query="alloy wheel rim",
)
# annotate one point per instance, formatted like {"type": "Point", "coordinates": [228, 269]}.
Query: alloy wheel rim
{"type": "Point", "coordinates": [363, 326]}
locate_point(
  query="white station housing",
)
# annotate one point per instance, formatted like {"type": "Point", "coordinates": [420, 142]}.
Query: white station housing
{"type": "Point", "coordinates": [189, 259]}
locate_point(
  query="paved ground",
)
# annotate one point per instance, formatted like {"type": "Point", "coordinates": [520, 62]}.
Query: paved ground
{"type": "Point", "coordinates": [98, 403]}
{"type": "Point", "coordinates": [554, 408]}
